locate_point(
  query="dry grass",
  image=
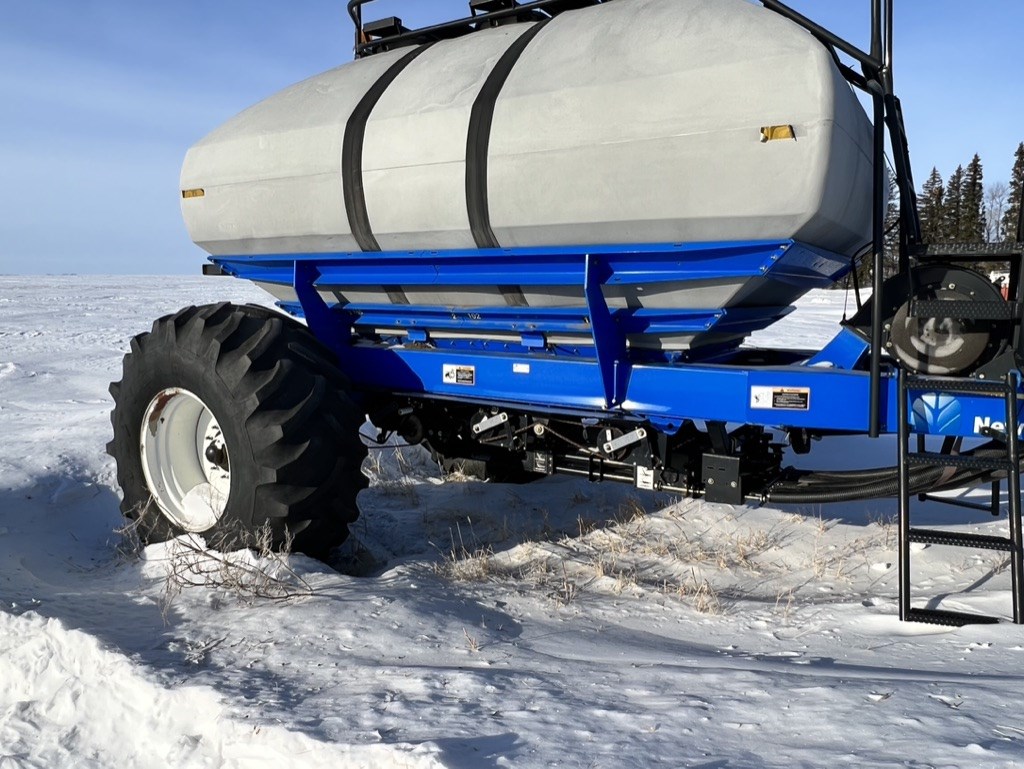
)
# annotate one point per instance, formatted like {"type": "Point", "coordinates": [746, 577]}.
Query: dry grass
{"type": "Point", "coordinates": [392, 474]}
{"type": "Point", "coordinates": [887, 522]}
{"type": "Point", "coordinates": [129, 544]}
{"type": "Point", "coordinates": [258, 572]}
{"type": "Point", "coordinates": [465, 561]}
{"type": "Point", "coordinates": [568, 590]}
{"type": "Point", "coordinates": [467, 567]}
{"type": "Point", "coordinates": [698, 592]}
{"type": "Point", "coordinates": [784, 603]}
{"type": "Point", "coordinates": [457, 475]}
{"type": "Point", "coordinates": [633, 553]}
{"type": "Point", "coordinates": [630, 511]}
{"type": "Point", "coordinates": [252, 571]}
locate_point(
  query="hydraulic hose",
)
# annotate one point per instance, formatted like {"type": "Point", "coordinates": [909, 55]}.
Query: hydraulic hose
{"type": "Point", "coordinates": [800, 492]}
{"type": "Point", "coordinates": [833, 477]}
{"type": "Point", "coordinates": [853, 485]}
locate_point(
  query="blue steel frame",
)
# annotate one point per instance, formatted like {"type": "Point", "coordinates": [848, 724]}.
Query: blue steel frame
{"type": "Point", "coordinates": [603, 378]}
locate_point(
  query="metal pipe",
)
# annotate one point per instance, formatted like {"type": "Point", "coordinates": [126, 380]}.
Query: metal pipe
{"type": "Point", "coordinates": [853, 77]}
{"type": "Point", "coordinates": [911, 232]}
{"type": "Point", "coordinates": [1013, 482]}
{"type": "Point", "coordinates": [910, 235]}
{"type": "Point", "coordinates": [889, 16]}
{"type": "Point", "coordinates": [904, 533]}
{"type": "Point", "coordinates": [878, 245]}
{"type": "Point", "coordinates": [466, 24]}
{"type": "Point", "coordinates": [878, 218]}
{"type": "Point", "coordinates": [871, 61]}
{"type": "Point", "coordinates": [355, 11]}
{"type": "Point", "coordinates": [877, 48]}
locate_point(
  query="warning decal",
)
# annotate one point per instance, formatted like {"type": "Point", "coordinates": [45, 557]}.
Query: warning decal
{"type": "Point", "coordinates": [781, 398]}
{"type": "Point", "coordinates": [459, 375]}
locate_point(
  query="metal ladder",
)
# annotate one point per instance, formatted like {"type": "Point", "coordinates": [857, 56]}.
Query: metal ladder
{"type": "Point", "coordinates": [1008, 463]}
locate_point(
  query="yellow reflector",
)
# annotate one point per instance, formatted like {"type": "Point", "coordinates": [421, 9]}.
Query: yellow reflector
{"type": "Point", "coordinates": [198, 193]}
{"type": "Point", "coordinates": [774, 133]}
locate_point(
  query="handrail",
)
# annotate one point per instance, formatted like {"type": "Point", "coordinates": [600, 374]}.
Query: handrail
{"type": "Point", "coordinates": [355, 10]}
{"type": "Point", "coordinates": [872, 60]}
{"type": "Point", "coordinates": [456, 27]}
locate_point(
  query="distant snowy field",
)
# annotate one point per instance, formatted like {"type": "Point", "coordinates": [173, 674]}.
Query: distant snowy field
{"type": "Point", "coordinates": [469, 625]}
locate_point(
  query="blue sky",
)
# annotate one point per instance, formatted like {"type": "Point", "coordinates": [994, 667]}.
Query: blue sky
{"type": "Point", "coordinates": [101, 99]}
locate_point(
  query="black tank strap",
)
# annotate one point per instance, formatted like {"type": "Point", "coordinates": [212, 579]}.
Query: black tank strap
{"type": "Point", "coordinates": [479, 142]}
{"type": "Point", "coordinates": [352, 152]}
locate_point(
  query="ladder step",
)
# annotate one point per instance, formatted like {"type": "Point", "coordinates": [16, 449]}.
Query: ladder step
{"type": "Point", "coordinates": [952, 385]}
{"type": "Point", "coordinates": [961, 539]}
{"type": "Point", "coordinates": [966, 310]}
{"type": "Point", "coordinates": [949, 618]}
{"type": "Point", "coordinates": [933, 459]}
{"type": "Point", "coordinates": [980, 251]}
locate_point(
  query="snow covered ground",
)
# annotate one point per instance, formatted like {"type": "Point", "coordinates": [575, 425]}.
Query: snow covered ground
{"type": "Point", "coordinates": [470, 625]}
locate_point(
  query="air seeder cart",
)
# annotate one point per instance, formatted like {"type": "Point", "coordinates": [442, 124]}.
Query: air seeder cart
{"type": "Point", "coordinates": [534, 240]}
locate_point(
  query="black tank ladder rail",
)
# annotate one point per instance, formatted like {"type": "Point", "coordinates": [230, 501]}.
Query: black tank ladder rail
{"type": "Point", "coordinates": [1008, 463]}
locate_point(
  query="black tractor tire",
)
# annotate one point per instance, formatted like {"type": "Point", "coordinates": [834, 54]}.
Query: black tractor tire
{"type": "Point", "coordinates": [289, 426]}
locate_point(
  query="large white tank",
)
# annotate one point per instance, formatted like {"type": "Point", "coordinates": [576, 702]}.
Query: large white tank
{"type": "Point", "coordinates": [633, 121]}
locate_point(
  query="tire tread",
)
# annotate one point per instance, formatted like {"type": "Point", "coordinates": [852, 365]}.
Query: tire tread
{"type": "Point", "coordinates": [302, 424]}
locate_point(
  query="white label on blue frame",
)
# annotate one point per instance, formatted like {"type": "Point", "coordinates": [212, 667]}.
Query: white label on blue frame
{"type": "Point", "coordinates": [459, 375]}
{"type": "Point", "coordinates": [781, 398]}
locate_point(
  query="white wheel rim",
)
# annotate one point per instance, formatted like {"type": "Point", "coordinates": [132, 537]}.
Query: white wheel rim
{"type": "Point", "coordinates": [185, 460]}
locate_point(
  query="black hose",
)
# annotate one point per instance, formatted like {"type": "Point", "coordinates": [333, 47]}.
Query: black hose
{"type": "Point", "coordinates": [832, 477]}
{"type": "Point", "coordinates": [788, 492]}
{"type": "Point", "coordinates": [849, 486]}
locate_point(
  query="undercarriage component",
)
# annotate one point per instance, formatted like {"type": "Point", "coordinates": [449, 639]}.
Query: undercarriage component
{"type": "Point", "coordinates": [722, 479]}
{"type": "Point", "coordinates": [953, 322]}
{"type": "Point", "coordinates": [488, 423]}
{"type": "Point", "coordinates": [727, 467]}
{"type": "Point", "coordinates": [616, 443]}
{"type": "Point", "coordinates": [930, 342]}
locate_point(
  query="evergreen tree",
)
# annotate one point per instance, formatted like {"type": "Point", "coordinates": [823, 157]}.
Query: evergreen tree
{"type": "Point", "coordinates": [1010, 218]}
{"type": "Point", "coordinates": [930, 206]}
{"type": "Point", "coordinates": [953, 207]}
{"type": "Point", "coordinates": [972, 212]}
{"type": "Point", "coordinates": [892, 228]}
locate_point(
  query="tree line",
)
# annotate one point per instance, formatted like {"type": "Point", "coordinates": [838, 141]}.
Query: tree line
{"type": "Point", "coordinates": [960, 210]}
{"type": "Point", "coordinates": [964, 210]}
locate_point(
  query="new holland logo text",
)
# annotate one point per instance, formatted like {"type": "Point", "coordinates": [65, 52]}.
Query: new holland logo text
{"type": "Point", "coordinates": [982, 424]}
